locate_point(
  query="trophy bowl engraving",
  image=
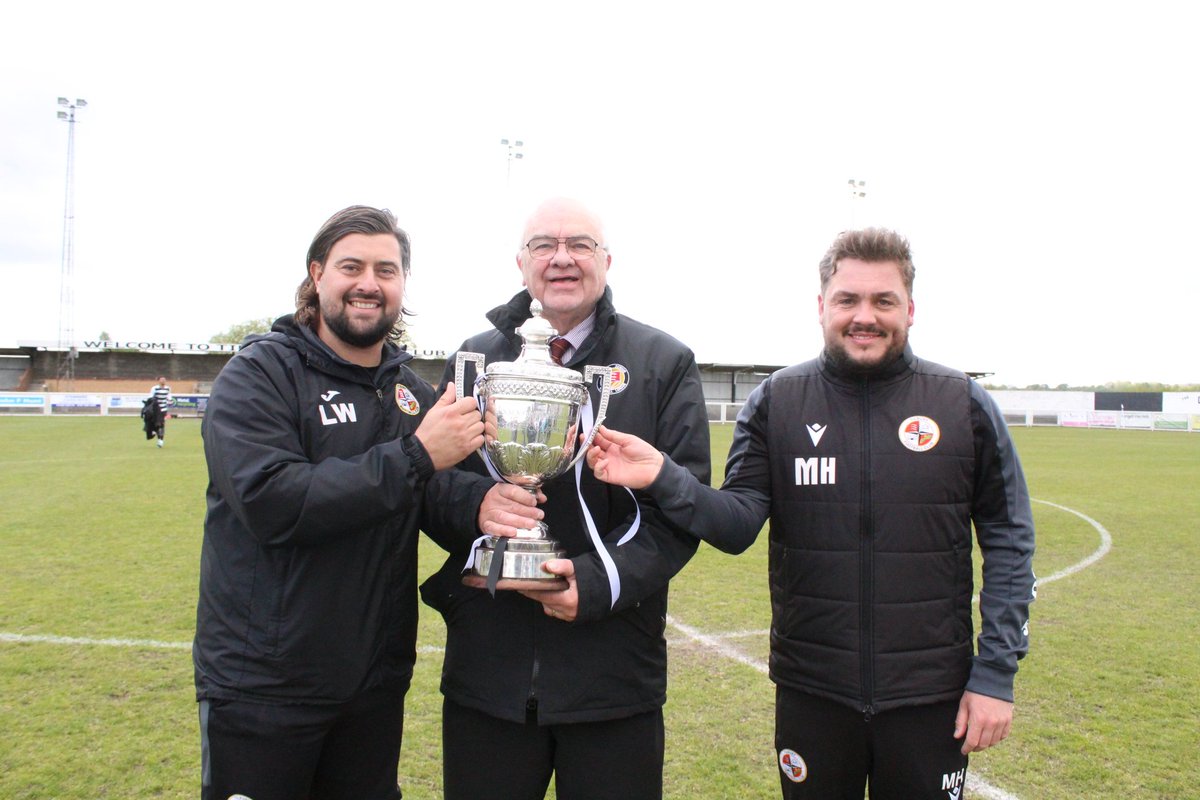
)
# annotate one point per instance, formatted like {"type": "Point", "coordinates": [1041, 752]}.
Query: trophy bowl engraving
{"type": "Point", "coordinates": [532, 441]}
{"type": "Point", "coordinates": [531, 408]}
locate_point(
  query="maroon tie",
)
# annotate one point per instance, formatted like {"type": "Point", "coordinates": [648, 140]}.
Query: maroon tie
{"type": "Point", "coordinates": [558, 346]}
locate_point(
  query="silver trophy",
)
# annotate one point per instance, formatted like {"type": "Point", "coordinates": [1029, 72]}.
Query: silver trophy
{"type": "Point", "coordinates": [531, 425]}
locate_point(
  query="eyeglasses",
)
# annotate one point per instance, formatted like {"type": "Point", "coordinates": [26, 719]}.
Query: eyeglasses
{"type": "Point", "coordinates": [543, 247]}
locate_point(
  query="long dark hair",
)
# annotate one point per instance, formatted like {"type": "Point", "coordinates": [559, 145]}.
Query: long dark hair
{"type": "Point", "coordinates": [355, 219]}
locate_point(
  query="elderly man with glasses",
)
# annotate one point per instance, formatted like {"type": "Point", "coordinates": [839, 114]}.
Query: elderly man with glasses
{"type": "Point", "coordinates": [569, 684]}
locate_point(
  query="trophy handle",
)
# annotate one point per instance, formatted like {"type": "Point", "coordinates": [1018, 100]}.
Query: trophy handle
{"type": "Point", "coordinates": [460, 362]}
{"type": "Point", "coordinates": [589, 373]}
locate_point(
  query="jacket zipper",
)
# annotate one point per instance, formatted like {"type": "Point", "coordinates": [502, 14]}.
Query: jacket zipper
{"type": "Point", "coordinates": [531, 702]}
{"type": "Point", "coordinates": [867, 570]}
{"type": "Point", "coordinates": [383, 414]}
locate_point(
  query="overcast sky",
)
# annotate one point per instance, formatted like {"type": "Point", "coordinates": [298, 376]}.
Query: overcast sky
{"type": "Point", "coordinates": [1040, 156]}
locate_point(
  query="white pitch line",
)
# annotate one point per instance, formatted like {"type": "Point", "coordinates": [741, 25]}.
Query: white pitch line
{"type": "Point", "coordinates": [1100, 552]}
{"type": "Point", "coordinates": [977, 785]}
{"type": "Point", "coordinates": [740, 634]}
{"type": "Point", "coordinates": [715, 643]}
{"type": "Point", "coordinates": [149, 644]}
{"type": "Point", "coordinates": [712, 641]}
{"type": "Point", "coordinates": [981, 788]}
{"type": "Point", "coordinates": [152, 644]}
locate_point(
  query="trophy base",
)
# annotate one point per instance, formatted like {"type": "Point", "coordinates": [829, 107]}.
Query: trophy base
{"type": "Point", "coordinates": [522, 566]}
{"type": "Point", "coordinates": [555, 584]}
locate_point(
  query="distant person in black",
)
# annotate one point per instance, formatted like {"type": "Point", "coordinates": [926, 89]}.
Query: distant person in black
{"type": "Point", "coordinates": [151, 417]}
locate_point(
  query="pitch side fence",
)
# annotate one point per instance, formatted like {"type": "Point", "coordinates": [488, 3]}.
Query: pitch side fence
{"type": "Point", "coordinates": [193, 405]}
{"type": "Point", "coordinates": [726, 413]}
{"type": "Point", "coordinates": [104, 405]}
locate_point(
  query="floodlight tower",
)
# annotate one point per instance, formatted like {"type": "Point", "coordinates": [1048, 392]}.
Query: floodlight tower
{"type": "Point", "coordinates": [66, 298]}
{"type": "Point", "coordinates": [858, 190]}
{"type": "Point", "coordinates": [514, 153]}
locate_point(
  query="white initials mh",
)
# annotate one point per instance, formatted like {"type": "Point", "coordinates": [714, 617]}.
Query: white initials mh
{"type": "Point", "coordinates": [814, 471]}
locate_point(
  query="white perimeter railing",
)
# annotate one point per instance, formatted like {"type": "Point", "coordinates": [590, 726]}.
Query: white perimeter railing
{"type": "Point", "coordinates": [1134, 420]}
{"type": "Point", "coordinates": [193, 405]}
{"type": "Point", "coordinates": [95, 404]}
{"type": "Point", "coordinates": [726, 413]}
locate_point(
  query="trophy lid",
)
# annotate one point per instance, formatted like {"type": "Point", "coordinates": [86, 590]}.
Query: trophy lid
{"type": "Point", "coordinates": [535, 360]}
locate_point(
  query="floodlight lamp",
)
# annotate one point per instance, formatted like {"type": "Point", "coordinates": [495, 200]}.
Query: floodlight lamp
{"type": "Point", "coordinates": [80, 102]}
{"type": "Point", "coordinates": [504, 141]}
{"type": "Point", "coordinates": [518, 155]}
{"type": "Point", "coordinates": [519, 143]}
{"type": "Point", "coordinates": [62, 115]}
{"type": "Point", "coordinates": [62, 101]}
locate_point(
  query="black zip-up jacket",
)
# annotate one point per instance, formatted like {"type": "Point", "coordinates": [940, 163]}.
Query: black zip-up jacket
{"type": "Point", "coordinates": [152, 417]}
{"type": "Point", "coordinates": [316, 489]}
{"type": "Point", "coordinates": [872, 487]}
{"type": "Point", "coordinates": [504, 656]}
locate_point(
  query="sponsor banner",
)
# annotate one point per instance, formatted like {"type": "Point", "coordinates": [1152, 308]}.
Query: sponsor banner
{"type": "Point", "coordinates": [1137, 419]}
{"type": "Point", "coordinates": [124, 401]}
{"type": "Point", "coordinates": [189, 404]}
{"type": "Point", "coordinates": [1104, 419]}
{"type": "Point", "coordinates": [1073, 419]}
{"type": "Point", "coordinates": [76, 401]}
{"type": "Point", "coordinates": [22, 400]}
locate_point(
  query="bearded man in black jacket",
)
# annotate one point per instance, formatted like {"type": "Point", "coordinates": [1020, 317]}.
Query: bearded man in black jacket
{"type": "Point", "coordinates": [873, 466]}
{"type": "Point", "coordinates": [323, 451]}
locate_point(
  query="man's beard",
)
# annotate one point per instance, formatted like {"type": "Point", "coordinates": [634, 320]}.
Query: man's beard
{"type": "Point", "coordinates": [838, 357]}
{"type": "Point", "coordinates": [339, 324]}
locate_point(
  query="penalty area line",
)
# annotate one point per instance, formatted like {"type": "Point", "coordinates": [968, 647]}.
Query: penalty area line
{"type": "Point", "coordinates": [975, 784]}
{"type": "Point", "coordinates": [978, 786]}
{"type": "Point", "coordinates": [146, 644]}
{"type": "Point", "coordinates": [34, 638]}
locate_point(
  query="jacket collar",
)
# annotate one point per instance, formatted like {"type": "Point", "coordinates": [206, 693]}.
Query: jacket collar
{"type": "Point", "coordinates": [318, 355]}
{"type": "Point", "coordinates": [903, 365]}
{"type": "Point", "coordinates": [508, 317]}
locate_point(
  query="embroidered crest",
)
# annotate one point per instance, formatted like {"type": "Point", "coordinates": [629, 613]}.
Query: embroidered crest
{"type": "Point", "coordinates": [919, 434]}
{"type": "Point", "coordinates": [620, 377]}
{"type": "Point", "coordinates": [407, 401]}
{"type": "Point", "coordinates": [793, 766]}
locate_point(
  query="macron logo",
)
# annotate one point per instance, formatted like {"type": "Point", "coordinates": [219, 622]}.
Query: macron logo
{"type": "Point", "coordinates": [815, 431]}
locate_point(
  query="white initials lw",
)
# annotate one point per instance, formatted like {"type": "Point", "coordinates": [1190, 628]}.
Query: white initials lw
{"type": "Point", "coordinates": [344, 412]}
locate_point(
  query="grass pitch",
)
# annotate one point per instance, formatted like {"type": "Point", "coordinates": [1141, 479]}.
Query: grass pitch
{"type": "Point", "coordinates": [99, 544]}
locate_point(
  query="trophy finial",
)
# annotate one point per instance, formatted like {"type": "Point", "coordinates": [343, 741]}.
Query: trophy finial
{"type": "Point", "coordinates": [536, 332]}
